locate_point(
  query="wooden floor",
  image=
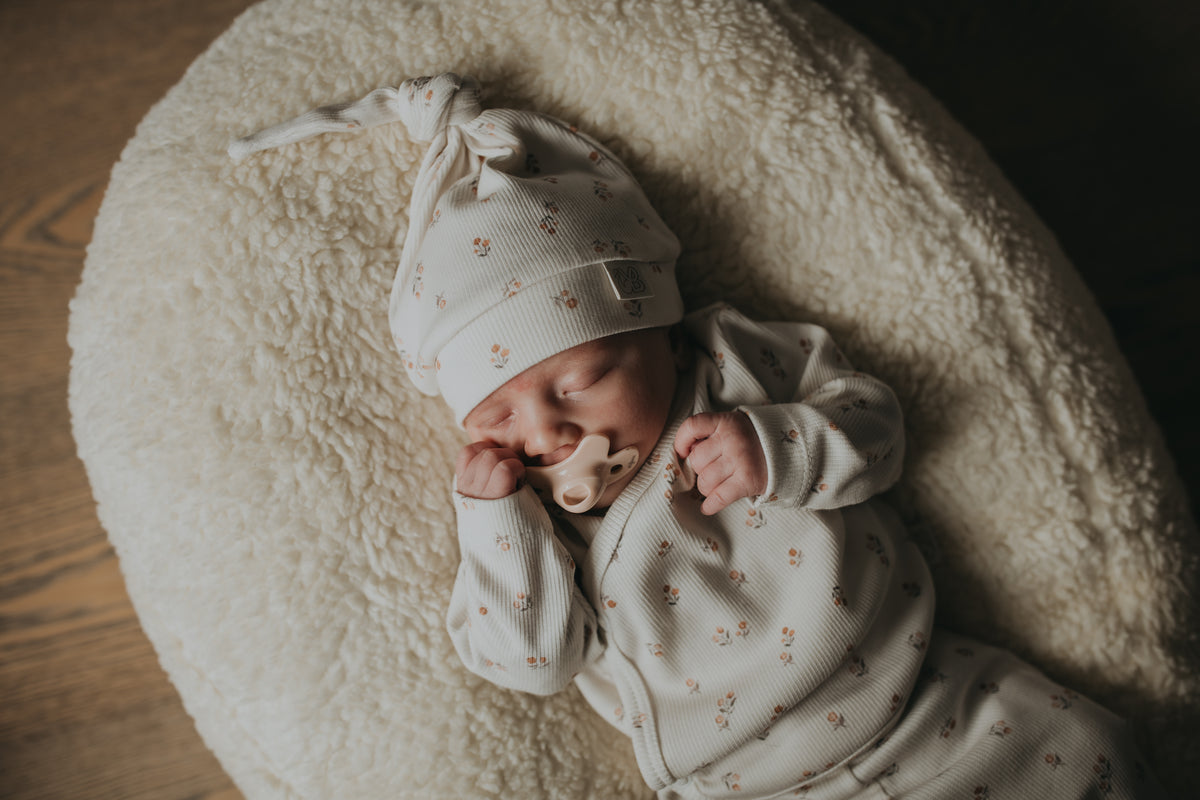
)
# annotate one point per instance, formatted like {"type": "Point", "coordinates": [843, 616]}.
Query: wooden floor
{"type": "Point", "coordinates": [1092, 108]}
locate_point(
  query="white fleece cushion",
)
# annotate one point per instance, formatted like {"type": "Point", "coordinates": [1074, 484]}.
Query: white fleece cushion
{"type": "Point", "coordinates": [278, 494]}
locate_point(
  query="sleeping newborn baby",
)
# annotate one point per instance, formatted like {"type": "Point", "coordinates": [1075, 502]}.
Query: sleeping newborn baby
{"type": "Point", "coordinates": [678, 513]}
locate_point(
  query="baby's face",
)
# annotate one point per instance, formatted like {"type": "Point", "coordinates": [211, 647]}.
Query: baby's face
{"type": "Point", "coordinates": [620, 386]}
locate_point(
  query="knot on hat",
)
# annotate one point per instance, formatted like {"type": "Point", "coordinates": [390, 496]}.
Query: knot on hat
{"type": "Point", "coordinates": [431, 104]}
{"type": "Point", "coordinates": [426, 106]}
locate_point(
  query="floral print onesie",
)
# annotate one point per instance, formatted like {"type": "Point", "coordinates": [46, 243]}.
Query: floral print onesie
{"type": "Point", "coordinates": [782, 647]}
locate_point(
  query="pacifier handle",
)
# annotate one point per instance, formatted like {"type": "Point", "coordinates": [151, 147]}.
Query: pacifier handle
{"type": "Point", "coordinates": [577, 482]}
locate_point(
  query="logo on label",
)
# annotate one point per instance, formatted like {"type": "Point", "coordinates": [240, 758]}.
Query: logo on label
{"type": "Point", "coordinates": [627, 280]}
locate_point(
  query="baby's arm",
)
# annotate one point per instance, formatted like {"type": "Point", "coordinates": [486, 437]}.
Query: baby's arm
{"type": "Point", "coordinates": [516, 615]}
{"type": "Point", "coordinates": [831, 436]}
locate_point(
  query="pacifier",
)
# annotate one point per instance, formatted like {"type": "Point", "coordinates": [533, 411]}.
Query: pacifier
{"type": "Point", "coordinates": [577, 482]}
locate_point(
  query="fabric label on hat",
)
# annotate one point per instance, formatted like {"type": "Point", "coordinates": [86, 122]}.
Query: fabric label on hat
{"type": "Point", "coordinates": [627, 280]}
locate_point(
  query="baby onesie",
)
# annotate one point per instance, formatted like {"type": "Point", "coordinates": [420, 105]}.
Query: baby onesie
{"type": "Point", "coordinates": [783, 647]}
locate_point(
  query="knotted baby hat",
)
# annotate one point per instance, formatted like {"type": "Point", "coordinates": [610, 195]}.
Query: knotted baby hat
{"type": "Point", "coordinates": [526, 237]}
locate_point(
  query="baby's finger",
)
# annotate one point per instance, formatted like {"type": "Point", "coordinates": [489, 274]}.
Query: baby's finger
{"type": "Point", "coordinates": [504, 478]}
{"type": "Point", "coordinates": [724, 494]}
{"type": "Point", "coordinates": [704, 453]}
{"type": "Point", "coordinates": [694, 429]}
{"type": "Point", "coordinates": [713, 475]}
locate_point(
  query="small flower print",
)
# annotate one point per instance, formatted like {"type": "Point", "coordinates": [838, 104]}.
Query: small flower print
{"type": "Point", "coordinates": [765, 732]}
{"type": "Point", "coordinates": [487, 662]}
{"type": "Point", "coordinates": [789, 637]}
{"type": "Point", "coordinates": [638, 720]}
{"type": "Point", "coordinates": [549, 224]}
{"type": "Point", "coordinates": [743, 630]}
{"type": "Point", "coordinates": [835, 720]}
{"type": "Point", "coordinates": [664, 547]}
{"type": "Point", "coordinates": [618, 713]}
{"type": "Point", "coordinates": [722, 722]}
{"type": "Point", "coordinates": [621, 249]}
{"type": "Point", "coordinates": [1064, 699]}
{"type": "Point", "coordinates": [990, 687]}
{"type": "Point", "coordinates": [785, 658]}
{"type": "Point", "coordinates": [725, 704]}
{"type": "Point", "coordinates": [819, 486]}
{"type": "Point", "coordinates": [738, 578]}
{"type": "Point", "coordinates": [499, 356]}
{"type": "Point", "coordinates": [599, 247]}
{"type": "Point", "coordinates": [917, 640]}
{"type": "Point", "coordinates": [693, 686]}
{"type": "Point", "coordinates": [633, 308]}
{"type": "Point", "coordinates": [859, 404]}
{"type": "Point", "coordinates": [537, 662]}
{"type": "Point", "coordinates": [521, 602]}
{"type": "Point", "coordinates": [720, 359]}
{"type": "Point", "coordinates": [876, 547]}
{"type": "Point", "coordinates": [671, 594]}
{"type": "Point", "coordinates": [895, 704]}
{"type": "Point", "coordinates": [1103, 770]}
{"type": "Point", "coordinates": [732, 781]}
{"type": "Point", "coordinates": [911, 588]}
{"type": "Point", "coordinates": [483, 611]}
{"type": "Point", "coordinates": [1000, 728]}
{"type": "Point", "coordinates": [710, 545]}
{"type": "Point", "coordinates": [502, 542]}
{"type": "Point", "coordinates": [565, 300]}
{"type": "Point", "coordinates": [642, 221]}
{"type": "Point", "coordinates": [754, 518]}
{"type": "Point", "coordinates": [890, 770]}
{"type": "Point", "coordinates": [795, 556]}
{"type": "Point", "coordinates": [608, 602]}
{"type": "Point", "coordinates": [721, 637]}
{"type": "Point", "coordinates": [655, 649]}
{"type": "Point", "coordinates": [858, 667]}
{"type": "Point", "coordinates": [948, 726]}
{"type": "Point", "coordinates": [929, 673]}
{"type": "Point", "coordinates": [550, 179]}
{"type": "Point", "coordinates": [771, 361]}
{"type": "Point", "coordinates": [437, 215]}
{"type": "Point", "coordinates": [531, 164]}
{"type": "Point", "coordinates": [512, 287]}
{"type": "Point", "coordinates": [595, 157]}
{"type": "Point", "coordinates": [839, 597]}
{"type": "Point", "coordinates": [981, 793]}
{"type": "Point", "coordinates": [807, 346]}
{"type": "Point", "coordinates": [601, 190]}
{"type": "Point", "coordinates": [482, 246]}
{"type": "Point", "coordinates": [441, 304]}
{"type": "Point", "coordinates": [418, 284]}
{"type": "Point", "coordinates": [1053, 760]}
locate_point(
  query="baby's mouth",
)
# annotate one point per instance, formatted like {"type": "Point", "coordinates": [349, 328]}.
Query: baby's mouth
{"type": "Point", "coordinates": [554, 457]}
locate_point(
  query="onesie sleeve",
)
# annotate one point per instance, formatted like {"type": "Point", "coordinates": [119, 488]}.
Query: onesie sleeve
{"type": "Point", "coordinates": [832, 436]}
{"type": "Point", "coordinates": [516, 615]}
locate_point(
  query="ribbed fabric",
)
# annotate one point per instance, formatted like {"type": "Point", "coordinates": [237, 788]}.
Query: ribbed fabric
{"type": "Point", "coordinates": [777, 646]}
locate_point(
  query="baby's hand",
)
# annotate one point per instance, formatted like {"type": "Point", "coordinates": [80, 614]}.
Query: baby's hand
{"type": "Point", "coordinates": [723, 450]}
{"type": "Point", "coordinates": [487, 471]}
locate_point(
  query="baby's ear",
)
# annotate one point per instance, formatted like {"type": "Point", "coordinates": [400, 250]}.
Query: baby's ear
{"type": "Point", "coordinates": [681, 348]}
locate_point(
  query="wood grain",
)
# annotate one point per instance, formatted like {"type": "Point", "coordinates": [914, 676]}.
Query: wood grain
{"type": "Point", "coordinates": [1090, 108]}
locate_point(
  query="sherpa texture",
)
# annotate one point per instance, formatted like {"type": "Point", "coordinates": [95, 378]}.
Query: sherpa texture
{"type": "Point", "coordinates": [279, 495]}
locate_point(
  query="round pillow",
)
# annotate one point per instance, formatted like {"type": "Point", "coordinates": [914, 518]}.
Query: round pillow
{"type": "Point", "coordinates": [278, 494]}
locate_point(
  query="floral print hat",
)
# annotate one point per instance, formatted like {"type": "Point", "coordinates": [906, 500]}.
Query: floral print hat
{"type": "Point", "coordinates": [525, 238]}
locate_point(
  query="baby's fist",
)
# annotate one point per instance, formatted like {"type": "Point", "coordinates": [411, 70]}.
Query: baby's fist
{"type": "Point", "coordinates": [722, 448]}
{"type": "Point", "coordinates": [487, 471]}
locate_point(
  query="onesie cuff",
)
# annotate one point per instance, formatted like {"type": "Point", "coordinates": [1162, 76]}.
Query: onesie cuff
{"type": "Point", "coordinates": [784, 436]}
{"type": "Point", "coordinates": [492, 524]}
